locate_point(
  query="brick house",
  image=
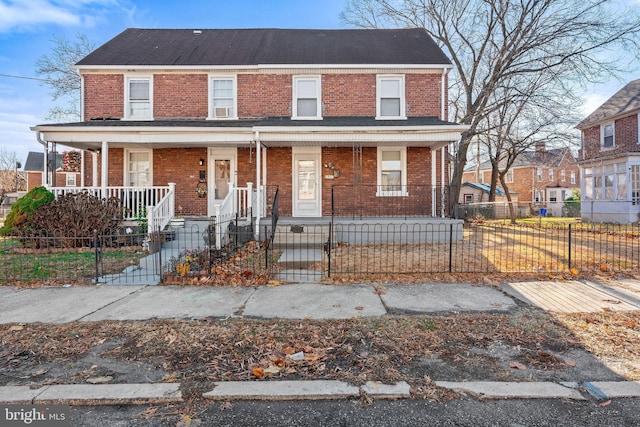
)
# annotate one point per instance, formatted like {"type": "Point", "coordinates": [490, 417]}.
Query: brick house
{"type": "Point", "coordinates": [610, 159]}
{"type": "Point", "coordinates": [34, 169]}
{"type": "Point", "coordinates": [210, 122]}
{"type": "Point", "coordinates": [541, 177]}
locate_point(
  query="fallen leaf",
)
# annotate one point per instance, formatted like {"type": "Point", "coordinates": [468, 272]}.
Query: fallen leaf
{"type": "Point", "coordinates": [99, 380]}
{"type": "Point", "coordinates": [359, 308]}
{"type": "Point", "coordinates": [517, 365]}
{"type": "Point", "coordinates": [570, 363]}
{"type": "Point", "coordinates": [311, 357]}
{"type": "Point", "coordinates": [272, 369]}
{"type": "Point", "coordinates": [608, 402]}
{"type": "Point", "coordinates": [379, 292]}
{"type": "Point", "coordinates": [258, 372]}
{"type": "Point", "coordinates": [16, 328]}
{"type": "Point", "coordinates": [574, 271]}
{"type": "Point", "coordinates": [289, 350]}
{"type": "Point", "coordinates": [630, 324]}
{"type": "Point", "coordinates": [274, 282]}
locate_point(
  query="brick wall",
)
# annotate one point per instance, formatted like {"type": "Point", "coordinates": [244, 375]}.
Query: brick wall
{"type": "Point", "coordinates": [103, 95]}
{"type": "Point", "coordinates": [180, 95]}
{"type": "Point", "coordinates": [186, 95]}
{"type": "Point", "coordinates": [626, 139]}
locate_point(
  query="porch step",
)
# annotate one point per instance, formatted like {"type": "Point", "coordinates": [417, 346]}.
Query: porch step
{"type": "Point", "coordinates": [300, 258]}
{"type": "Point", "coordinates": [312, 236]}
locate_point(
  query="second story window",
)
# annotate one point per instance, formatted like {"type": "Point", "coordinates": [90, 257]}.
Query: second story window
{"type": "Point", "coordinates": [551, 174]}
{"type": "Point", "coordinates": [390, 98]}
{"type": "Point", "coordinates": [573, 177]}
{"type": "Point", "coordinates": [307, 98]}
{"type": "Point", "coordinates": [138, 98]}
{"type": "Point", "coordinates": [539, 174]}
{"type": "Point", "coordinates": [608, 138]}
{"type": "Point", "coordinates": [222, 104]}
{"type": "Point", "coordinates": [509, 176]}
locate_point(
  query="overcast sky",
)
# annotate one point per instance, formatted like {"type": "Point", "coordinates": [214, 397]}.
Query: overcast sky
{"type": "Point", "coordinates": [27, 28]}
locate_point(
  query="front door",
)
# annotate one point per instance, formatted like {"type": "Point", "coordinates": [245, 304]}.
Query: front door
{"type": "Point", "coordinates": [222, 173]}
{"type": "Point", "coordinates": [307, 185]}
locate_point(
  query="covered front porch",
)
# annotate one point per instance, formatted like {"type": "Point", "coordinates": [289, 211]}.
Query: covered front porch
{"type": "Point", "coordinates": [334, 168]}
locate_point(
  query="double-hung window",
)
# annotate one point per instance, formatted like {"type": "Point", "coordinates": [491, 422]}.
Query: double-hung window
{"type": "Point", "coordinates": [390, 102]}
{"type": "Point", "coordinates": [608, 136]}
{"type": "Point", "coordinates": [138, 168]}
{"type": "Point", "coordinates": [307, 99]}
{"type": "Point", "coordinates": [138, 98]}
{"type": "Point", "coordinates": [392, 171]}
{"type": "Point", "coordinates": [508, 178]}
{"type": "Point", "coordinates": [223, 99]}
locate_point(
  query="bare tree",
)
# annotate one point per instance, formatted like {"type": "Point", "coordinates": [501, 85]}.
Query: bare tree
{"type": "Point", "coordinates": [55, 68]}
{"type": "Point", "coordinates": [492, 41]}
{"type": "Point", "coordinates": [10, 178]}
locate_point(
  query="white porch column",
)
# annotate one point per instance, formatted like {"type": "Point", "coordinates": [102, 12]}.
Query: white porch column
{"type": "Point", "coordinates": [442, 181]}
{"type": "Point", "coordinates": [433, 183]}
{"type": "Point", "coordinates": [94, 169]}
{"type": "Point", "coordinates": [104, 179]}
{"type": "Point", "coordinates": [82, 153]}
{"type": "Point", "coordinates": [259, 201]}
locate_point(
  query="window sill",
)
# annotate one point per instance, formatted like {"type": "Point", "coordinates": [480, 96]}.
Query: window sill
{"type": "Point", "coordinates": [391, 118]}
{"type": "Point", "coordinates": [138, 119]}
{"type": "Point", "coordinates": [392, 194]}
{"type": "Point", "coordinates": [305, 118]}
{"type": "Point", "coordinates": [222, 118]}
{"type": "Point", "coordinates": [602, 148]}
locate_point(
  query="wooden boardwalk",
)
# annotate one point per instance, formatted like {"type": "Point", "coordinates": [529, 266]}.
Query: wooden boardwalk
{"type": "Point", "coordinates": [577, 296]}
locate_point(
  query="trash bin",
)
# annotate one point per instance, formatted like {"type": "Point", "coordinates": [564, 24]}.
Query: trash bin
{"type": "Point", "coordinates": [543, 211]}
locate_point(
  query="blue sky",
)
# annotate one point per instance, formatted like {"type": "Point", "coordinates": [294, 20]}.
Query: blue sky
{"type": "Point", "coordinates": [27, 28]}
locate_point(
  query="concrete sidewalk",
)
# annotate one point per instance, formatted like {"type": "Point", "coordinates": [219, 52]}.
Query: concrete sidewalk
{"type": "Point", "coordinates": [297, 301]}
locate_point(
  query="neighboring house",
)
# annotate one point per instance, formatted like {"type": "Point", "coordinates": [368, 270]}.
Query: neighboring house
{"type": "Point", "coordinates": [541, 177]}
{"type": "Point", "coordinates": [34, 168]}
{"type": "Point", "coordinates": [473, 192]}
{"type": "Point", "coordinates": [206, 122]}
{"type": "Point", "coordinates": [610, 159]}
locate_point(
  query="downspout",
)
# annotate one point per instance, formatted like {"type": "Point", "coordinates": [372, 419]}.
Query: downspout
{"type": "Point", "coordinates": [443, 98]}
{"type": "Point", "coordinates": [258, 214]}
{"type": "Point", "coordinates": [45, 166]}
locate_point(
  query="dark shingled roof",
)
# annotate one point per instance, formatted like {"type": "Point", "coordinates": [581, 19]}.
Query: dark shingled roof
{"type": "Point", "coordinates": [184, 47]}
{"type": "Point", "coordinates": [262, 121]}
{"type": "Point", "coordinates": [626, 100]}
{"type": "Point", "coordinates": [35, 161]}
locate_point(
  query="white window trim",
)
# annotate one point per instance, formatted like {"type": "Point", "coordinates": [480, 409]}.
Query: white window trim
{"type": "Point", "coordinates": [572, 177]}
{"type": "Point", "coordinates": [234, 79]}
{"type": "Point", "coordinates": [128, 151]}
{"type": "Point", "coordinates": [294, 102]}
{"type": "Point", "coordinates": [129, 77]}
{"type": "Point", "coordinates": [403, 113]}
{"type": "Point", "coordinates": [509, 176]}
{"type": "Point", "coordinates": [613, 145]}
{"type": "Point", "coordinates": [403, 174]}
{"type": "Point", "coordinates": [68, 180]}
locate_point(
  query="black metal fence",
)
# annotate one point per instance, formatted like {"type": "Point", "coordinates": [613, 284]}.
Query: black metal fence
{"type": "Point", "coordinates": [190, 255]}
{"type": "Point", "coordinates": [483, 248]}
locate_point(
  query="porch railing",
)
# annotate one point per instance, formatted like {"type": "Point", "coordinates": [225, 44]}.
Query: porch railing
{"type": "Point", "coordinates": [160, 214]}
{"type": "Point", "coordinates": [135, 200]}
{"type": "Point", "coordinates": [238, 203]}
{"type": "Point", "coordinates": [400, 201]}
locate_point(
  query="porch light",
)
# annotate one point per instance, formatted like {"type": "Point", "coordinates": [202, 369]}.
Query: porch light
{"type": "Point", "coordinates": [201, 161]}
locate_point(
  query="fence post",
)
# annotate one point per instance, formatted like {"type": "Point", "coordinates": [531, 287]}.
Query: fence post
{"type": "Point", "coordinates": [329, 243]}
{"type": "Point", "coordinates": [266, 250]}
{"type": "Point", "coordinates": [569, 240]}
{"type": "Point", "coordinates": [160, 253]}
{"type": "Point", "coordinates": [450, 246]}
{"type": "Point", "coordinates": [97, 252]}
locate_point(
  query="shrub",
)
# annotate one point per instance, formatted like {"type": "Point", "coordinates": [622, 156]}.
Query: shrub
{"type": "Point", "coordinates": [74, 216]}
{"type": "Point", "coordinates": [23, 210]}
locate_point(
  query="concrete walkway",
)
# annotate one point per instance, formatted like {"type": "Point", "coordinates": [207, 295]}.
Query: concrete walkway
{"type": "Point", "coordinates": [304, 301]}
{"type": "Point", "coordinates": [297, 301]}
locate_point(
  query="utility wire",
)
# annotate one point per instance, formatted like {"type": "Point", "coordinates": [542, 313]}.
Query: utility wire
{"type": "Point", "coordinates": [23, 77]}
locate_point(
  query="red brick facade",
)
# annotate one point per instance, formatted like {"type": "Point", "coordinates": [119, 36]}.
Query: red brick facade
{"type": "Point", "coordinates": [625, 139]}
{"type": "Point", "coordinates": [261, 94]}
